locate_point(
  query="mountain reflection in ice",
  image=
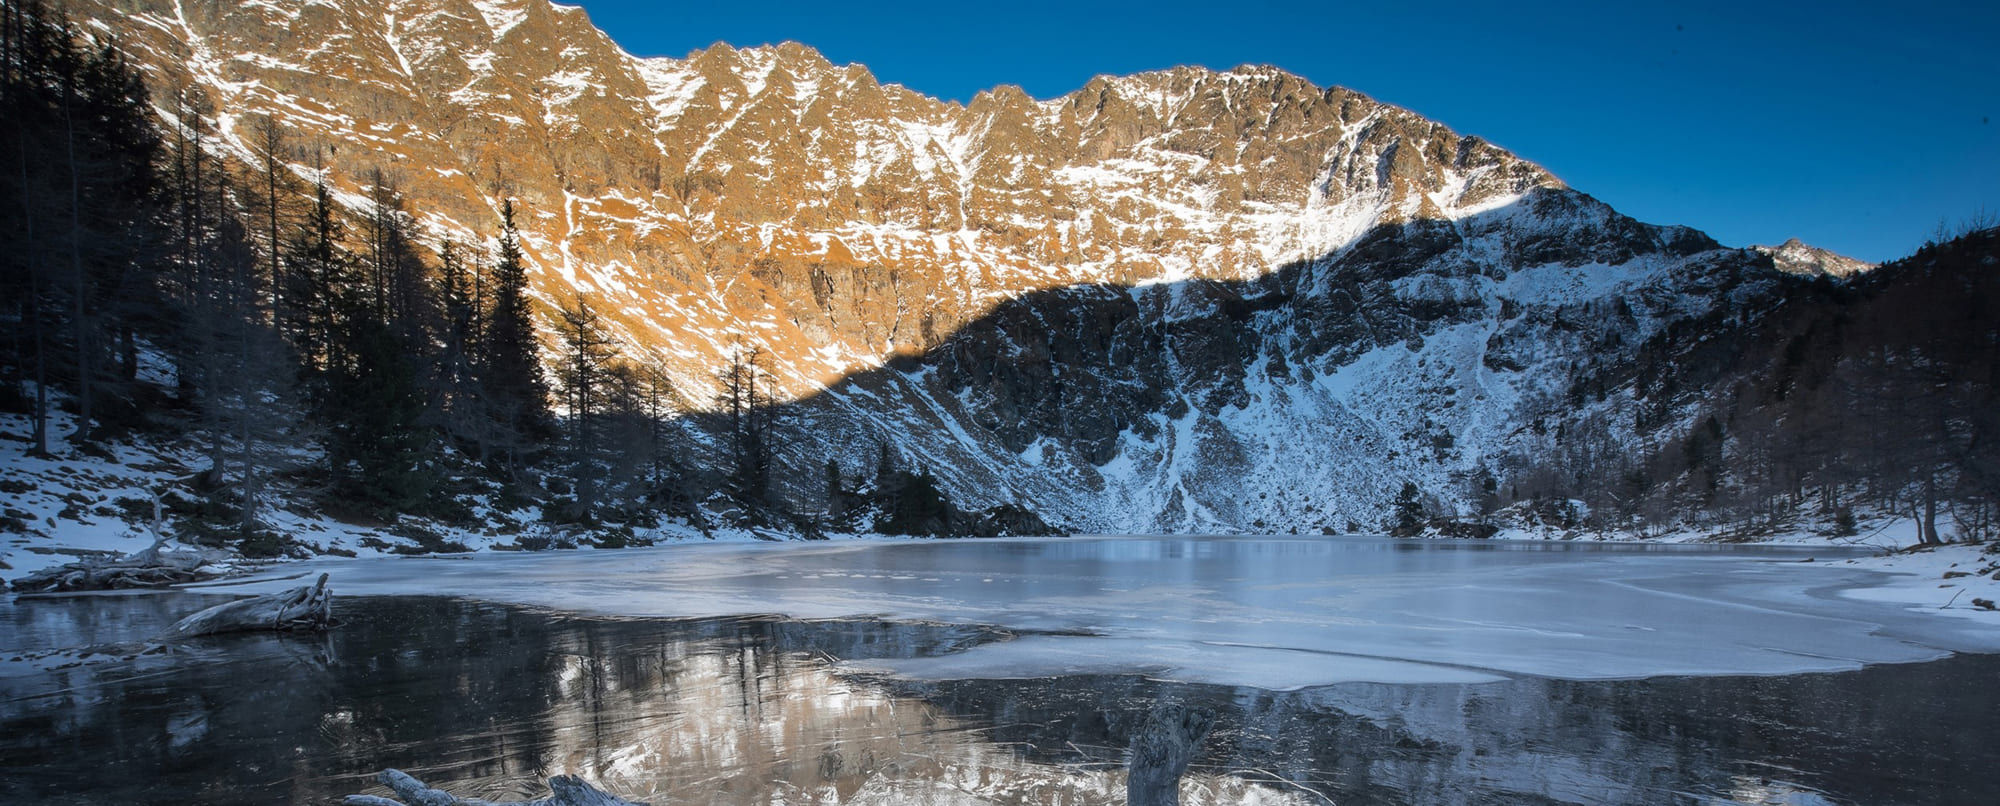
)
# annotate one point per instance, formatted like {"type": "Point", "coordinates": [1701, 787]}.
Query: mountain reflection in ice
{"type": "Point", "coordinates": [489, 700]}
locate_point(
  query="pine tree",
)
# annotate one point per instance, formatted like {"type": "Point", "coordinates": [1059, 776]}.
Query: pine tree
{"type": "Point", "coordinates": [733, 398]}
{"type": "Point", "coordinates": [836, 489]}
{"type": "Point", "coordinates": [748, 399]}
{"type": "Point", "coordinates": [658, 391]}
{"type": "Point", "coordinates": [511, 359]}
{"type": "Point", "coordinates": [319, 274]}
{"type": "Point", "coordinates": [1407, 514]}
{"type": "Point", "coordinates": [919, 507]}
{"type": "Point", "coordinates": [380, 452]}
{"type": "Point", "coordinates": [885, 468]}
{"type": "Point", "coordinates": [81, 200]}
{"type": "Point", "coordinates": [461, 411]}
{"type": "Point", "coordinates": [275, 185]}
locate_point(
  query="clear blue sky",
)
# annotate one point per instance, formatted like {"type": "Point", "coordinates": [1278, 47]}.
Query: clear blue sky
{"type": "Point", "coordinates": [1856, 126]}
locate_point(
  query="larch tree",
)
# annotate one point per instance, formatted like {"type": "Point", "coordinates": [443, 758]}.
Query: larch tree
{"type": "Point", "coordinates": [583, 382]}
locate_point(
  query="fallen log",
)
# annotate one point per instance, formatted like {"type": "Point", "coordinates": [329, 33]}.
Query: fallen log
{"type": "Point", "coordinates": [301, 609]}
{"type": "Point", "coordinates": [565, 790]}
{"type": "Point", "coordinates": [119, 574]}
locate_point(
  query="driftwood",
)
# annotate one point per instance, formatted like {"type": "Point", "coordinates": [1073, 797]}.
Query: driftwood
{"type": "Point", "coordinates": [565, 790]}
{"type": "Point", "coordinates": [155, 567]}
{"type": "Point", "coordinates": [1161, 750]}
{"type": "Point", "coordinates": [304, 608]}
{"type": "Point", "coordinates": [125, 572]}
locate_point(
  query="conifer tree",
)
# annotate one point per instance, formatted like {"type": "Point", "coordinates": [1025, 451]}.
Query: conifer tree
{"type": "Point", "coordinates": [460, 411]}
{"type": "Point", "coordinates": [511, 365]}
{"type": "Point", "coordinates": [319, 273]}
{"type": "Point", "coordinates": [275, 184]}
{"type": "Point", "coordinates": [379, 450]}
{"type": "Point", "coordinates": [836, 489]}
{"type": "Point", "coordinates": [747, 398]}
{"type": "Point", "coordinates": [1407, 515]}
{"type": "Point", "coordinates": [80, 191]}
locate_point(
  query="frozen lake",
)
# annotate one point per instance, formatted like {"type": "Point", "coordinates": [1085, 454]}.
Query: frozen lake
{"type": "Point", "coordinates": [1269, 612]}
{"type": "Point", "coordinates": [1012, 671]}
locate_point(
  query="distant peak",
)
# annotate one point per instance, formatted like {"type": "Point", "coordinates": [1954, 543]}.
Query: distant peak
{"type": "Point", "coordinates": [1263, 71]}
{"type": "Point", "coordinates": [1797, 257]}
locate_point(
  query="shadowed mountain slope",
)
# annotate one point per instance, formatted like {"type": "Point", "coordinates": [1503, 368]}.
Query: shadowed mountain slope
{"type": "Point", "coordinates": [1439, 353]}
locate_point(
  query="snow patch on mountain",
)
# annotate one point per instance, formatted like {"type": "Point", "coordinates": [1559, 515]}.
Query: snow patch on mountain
{"type": "Point", "coordinates": [502, 15]}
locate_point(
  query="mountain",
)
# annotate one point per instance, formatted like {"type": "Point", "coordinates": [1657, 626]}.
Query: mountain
{"type": "Point", "coordinates": [1799, 258]}
{"type": "Point", "coordinates": [1180, 300]}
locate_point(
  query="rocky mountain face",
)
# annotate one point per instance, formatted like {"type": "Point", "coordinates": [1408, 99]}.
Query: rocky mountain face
{"type": "Point", "coordinates": [1796, 257]}
{"type": "Point", "coordinates": [1180, 300]}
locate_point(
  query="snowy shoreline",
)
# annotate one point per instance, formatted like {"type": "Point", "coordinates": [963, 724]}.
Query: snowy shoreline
{"type": "Point", "coordinates": [73, 506]}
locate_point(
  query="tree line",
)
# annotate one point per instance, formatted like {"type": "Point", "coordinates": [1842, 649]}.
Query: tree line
{"type": "Point", "coordinates": [1817, 400]}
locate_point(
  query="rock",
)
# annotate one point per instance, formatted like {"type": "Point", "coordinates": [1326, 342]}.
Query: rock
{"type": "Point", "coordinates": [1984, 604]}
{"type": "Point", "coordinates": [1161, 751]}
{"type": "Point", "coordinates": [565, 790]}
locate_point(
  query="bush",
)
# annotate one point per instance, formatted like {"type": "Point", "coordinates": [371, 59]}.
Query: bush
{"type": "Point", "coordinates": [428, 541]}
{"type": "Point", "coordinates": [619, 538]}
{"type": "Point", "coordinates": [263, 544]}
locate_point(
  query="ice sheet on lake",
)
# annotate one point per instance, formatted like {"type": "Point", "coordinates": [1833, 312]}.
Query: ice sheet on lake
{"type": "Point", "coordinates": [1274, 613]}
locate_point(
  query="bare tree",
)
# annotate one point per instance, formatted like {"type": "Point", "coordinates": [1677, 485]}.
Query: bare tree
{"type": "Point", "coordinates": [582, 378]}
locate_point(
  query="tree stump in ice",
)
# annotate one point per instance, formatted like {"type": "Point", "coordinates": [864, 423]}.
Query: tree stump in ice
{"type": "Point", "coordinates": [307, 608]}
{"type": "Point", "coordinates": [564, 790]}
{"type": "Point", "coordinates": [1161, 750]}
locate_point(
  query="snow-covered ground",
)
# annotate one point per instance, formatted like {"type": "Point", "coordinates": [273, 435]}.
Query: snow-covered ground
{"type": "Point", "coordinates": [1945, 579]}
{"type": "Point", "coordinates": [74, 504]}
{"type": "Point", "coordinates": [71, 505]}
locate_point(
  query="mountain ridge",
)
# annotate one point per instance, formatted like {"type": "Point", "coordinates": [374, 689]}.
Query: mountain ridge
{"type": "Point", "coordinates": [1030, 249]}
{"type": "Point", "coordinates": [1293, 261]}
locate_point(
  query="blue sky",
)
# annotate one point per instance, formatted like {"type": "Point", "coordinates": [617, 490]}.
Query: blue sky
{"type": "Point", "coordinates": [1853, 126]}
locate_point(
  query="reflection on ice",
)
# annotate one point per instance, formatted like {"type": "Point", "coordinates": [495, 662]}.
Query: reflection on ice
{"type": "Point", "coordinates": [1270, 612]}
{"type": "Point", "coordinates": [488, 701]}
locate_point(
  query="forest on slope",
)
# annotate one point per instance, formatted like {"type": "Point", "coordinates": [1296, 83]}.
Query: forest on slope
{"type": "Point", "coordinates": [157, 291]}
{"type": "Point", "coordinates": [1878, 392]}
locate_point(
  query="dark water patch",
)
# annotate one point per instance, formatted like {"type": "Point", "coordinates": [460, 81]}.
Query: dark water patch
{"type": "Point", "coordinates": [1890, 734]}
{"type": "Point", "coordinates": [488, 700]}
